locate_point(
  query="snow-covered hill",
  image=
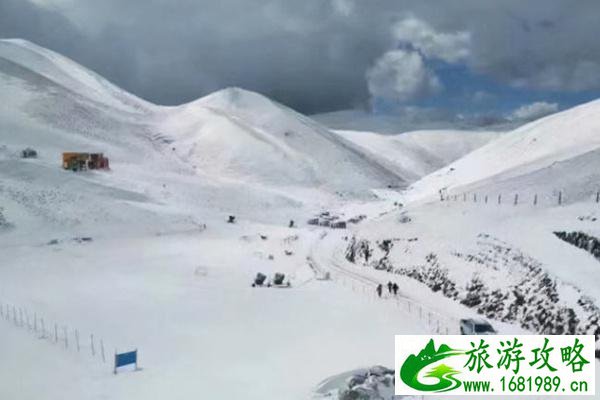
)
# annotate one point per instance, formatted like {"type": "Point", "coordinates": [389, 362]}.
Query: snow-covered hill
{"type": "Point", "coordinates": [556, 153]}
{"type": "Point", "coordinates": [242, 135]}
{"type": "Point", "coordinates": [43, 68]}
{"type": "Point", "coordinates": [197, 159]}
{"type": "Point", "coordinates": [141, 256]}
{"type": "Point", "coordinates": [415, 154]}
{"type": "Point", "coordinates": [404, 120]}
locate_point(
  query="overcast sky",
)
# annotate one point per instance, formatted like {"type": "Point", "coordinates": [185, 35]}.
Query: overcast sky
{"type": "Point", "coordinates": [509, 58]}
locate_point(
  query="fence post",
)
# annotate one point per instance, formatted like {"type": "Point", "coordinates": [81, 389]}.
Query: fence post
{"type": "Point", "coordinates": [500, 199]}
{"type": "Point", "coordinates": [102, 350]}
{"type": "Point", "coordinates": [516, 199]}
{"type": "Point", "coordinates": [92, 341]}
{"type": "Point", "coordinates": [535, 199]}
{"type": "Point", "coordinates": [474, 197]}
{"type": "Point", "coordinates": [560, 197]}
{"type": "Point", "coordinates": [597, 197]}
{"type": "Point", "coordinates": [55, 333]}
{"type": "Point", "coordinates": [486, 199]}
{"type": "Point", "coordinates": [77, 340]}
{"type": "Point", "coordinates": [15, 316]}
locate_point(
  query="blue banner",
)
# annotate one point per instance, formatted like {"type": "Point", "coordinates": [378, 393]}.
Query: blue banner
{"type": "Point", "coordinates": [125, 359]}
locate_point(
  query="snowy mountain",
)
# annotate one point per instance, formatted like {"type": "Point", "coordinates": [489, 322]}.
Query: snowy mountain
{"type": "Point", "coordinates": [407, 119]}
{"type": "Point", "coordinates": [416, 154]}
{"type": "Point", "coordinates": [141, 256]}
{"type": "Point", "coordinates": [556, 153]}
{"type": "Point", "coordinates": [45, 69]}
{"type": "Point", "coordinates": [232, 144]}
{"type": "Point", "coordinates": [244, 136]}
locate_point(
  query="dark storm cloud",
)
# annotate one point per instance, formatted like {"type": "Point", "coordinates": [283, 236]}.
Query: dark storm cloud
{"type": "Point", "coordinates": [313, 54]}
{"type": "Point", "coordinates": [308, 55]}
{"type": "Point", "coordinates": [25, 20]}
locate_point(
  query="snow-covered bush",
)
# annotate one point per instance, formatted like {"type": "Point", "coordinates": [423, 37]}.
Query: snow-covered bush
{"type": "Point", "coordinates": [531, 297]}
{"type": "Point", "coordinates": [582, 240]}
{"type": "Point", "coordinates": [377, 383]}
{"type": "Point", "coordinates": [4, 224]}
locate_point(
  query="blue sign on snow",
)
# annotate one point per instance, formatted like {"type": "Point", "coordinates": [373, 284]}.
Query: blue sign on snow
{"type": "Point", "coordinates": [125, 359]}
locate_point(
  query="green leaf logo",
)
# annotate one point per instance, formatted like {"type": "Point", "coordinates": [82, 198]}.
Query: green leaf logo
{"type": "Point", "coordinates": [414, 364]}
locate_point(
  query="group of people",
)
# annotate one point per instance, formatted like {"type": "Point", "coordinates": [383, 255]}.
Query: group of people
{"type": "Point", "coordinates": [392, 289]}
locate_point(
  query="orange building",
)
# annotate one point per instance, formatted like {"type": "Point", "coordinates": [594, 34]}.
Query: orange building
{"type": "Point", "coordinates": [82, 161]}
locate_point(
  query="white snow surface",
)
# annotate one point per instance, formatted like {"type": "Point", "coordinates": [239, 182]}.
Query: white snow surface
{"type": "Point", "coordinates": [416, 154]}
{"type": "Point", "coordinates": [558, 152]}
{"type": "Point", "coordinates": [165, 274]}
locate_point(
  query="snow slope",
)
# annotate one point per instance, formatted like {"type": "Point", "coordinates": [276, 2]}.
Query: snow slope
{"type": "Point", "coordinates": [415, 154]}
{"type": "Point", "coordinates": [39, 65]}
{"type": "Point", "coordinates": [197, 160]}
{"type": "Point", "coordinates": [245, 136]}
{"type": "Point", "coordinates": [558, 152]}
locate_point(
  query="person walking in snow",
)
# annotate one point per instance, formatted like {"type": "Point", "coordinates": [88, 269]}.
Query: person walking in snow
{"type": "Point", "coordinates": [395, 289]}
{"type": "Point", "coordinates": [390, 286]}
{"type": "Point", "coordinates": [379, 289]}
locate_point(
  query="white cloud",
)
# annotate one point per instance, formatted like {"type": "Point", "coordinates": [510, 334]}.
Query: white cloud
{"type": "Point", "coordinates": [532, 111]}
{"type": "Point", "coordinates": [402, 76]}
{"type": "Point", "coordinates": [449, 47]}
